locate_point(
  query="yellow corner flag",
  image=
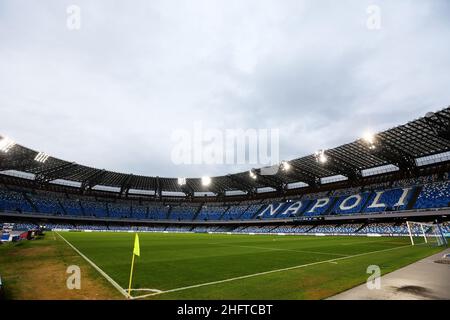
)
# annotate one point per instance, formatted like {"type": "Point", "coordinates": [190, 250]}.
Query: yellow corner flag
{"type": "Point", "coordinates": [136, 252]}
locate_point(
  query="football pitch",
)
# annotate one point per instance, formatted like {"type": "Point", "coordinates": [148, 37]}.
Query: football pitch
{"type": "Point", "coordinates": [223, 266]}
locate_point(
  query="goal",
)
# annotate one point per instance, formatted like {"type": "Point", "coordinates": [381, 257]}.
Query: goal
{"type": "Point", "coordinates": [426, 233]}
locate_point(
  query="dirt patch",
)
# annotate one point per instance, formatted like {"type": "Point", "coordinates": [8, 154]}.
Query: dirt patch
{"type": "Point", "coordinates": [31, 252]}
{"type": "Point", "coordinates": [38, 272]}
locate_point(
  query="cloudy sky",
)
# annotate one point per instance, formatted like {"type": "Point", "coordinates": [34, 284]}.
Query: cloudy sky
{"type": "Point", "coordinates": [111, 93]}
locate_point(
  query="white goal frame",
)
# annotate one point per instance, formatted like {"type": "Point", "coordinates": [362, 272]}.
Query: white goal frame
{"type": "Point", "coordinates": [436, 232]}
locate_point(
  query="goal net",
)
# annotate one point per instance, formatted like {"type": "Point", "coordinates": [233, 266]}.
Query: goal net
{"type": "Point", "coordinates": [426, 233]}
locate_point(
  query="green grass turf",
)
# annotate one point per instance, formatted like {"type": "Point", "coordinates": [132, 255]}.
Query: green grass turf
{"type": "Point", "coordinates": [170, 261]}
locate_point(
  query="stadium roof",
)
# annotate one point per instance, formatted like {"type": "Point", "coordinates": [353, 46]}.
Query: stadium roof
{"type": "Point", "coordinates": [400, 146]}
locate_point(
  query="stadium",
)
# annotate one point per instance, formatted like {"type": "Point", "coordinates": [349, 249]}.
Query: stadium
{"type": "Point", "coordinates": [196, 159]}
{"type": "Point", "coordinates": [381, 200]}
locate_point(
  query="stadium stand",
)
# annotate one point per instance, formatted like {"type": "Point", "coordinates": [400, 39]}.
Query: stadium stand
{"type": "Point", "coordinates": [235, 212]}
{"type": "Point", "coordinates": [183, 212]}
{"type": "Point", "coordinates": [158, 211]}
{"type": "Point", "coordinates": [360, 203]}
{"type": "Point", "coordinates": [211, 212]}
{"type": "Point", "coordinates": [119, 210]}
{"type": "Point", "coordinates": [374, 199]}
{"type": "Point", "coordinates": [434, 195]}
{"type": "Point", "coordinates": [14, 201]}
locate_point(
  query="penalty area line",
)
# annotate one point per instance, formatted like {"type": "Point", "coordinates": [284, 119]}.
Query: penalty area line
{"type": "Point", "coordinates": [265, 273]}
{"type": "Point", "coordinates": [103, 273]}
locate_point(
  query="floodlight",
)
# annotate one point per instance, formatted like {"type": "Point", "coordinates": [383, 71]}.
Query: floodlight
{"type": "Point", "coordinates": [181, 181]}
{"type": "Point", "coordinates": [285, 166]}
{"type": "Point", "coordinates": [6, 144]}
{"type": "Point", "coordinates": [252, 174]}
{"type": "Point", "coordinates": [321, 157]}
{"type": "Point", "coordinates": [369, 137]}
{"type": "Point", "coordinates": [206, 181]}
{"type": "Point", "coordinates": [41, 157]}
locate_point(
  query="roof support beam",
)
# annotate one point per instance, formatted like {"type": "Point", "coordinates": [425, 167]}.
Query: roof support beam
{"type": "Point", "coordinates": [54, 173]}
{"type": "Point", "coordinates": [188, 189]}
{"type": "Point", "coordinates": [387, 151]}
{"type": "Point", "coordinates": [269, 180]}
{"type": "Point", "coordinates": [126, 185]}
{"type": "Point", "coordinates": [303, 175]}
{"type": "Point", "coordinates": [158, 189]}
{"type": "Point", "coordinates": [439, 123]}
{"type": "Point", "coordinates": [93, 179]}
{"type": "Point", "coordinates": [244, 185]}
{"type": "Point", "coordinates": [343, 167]}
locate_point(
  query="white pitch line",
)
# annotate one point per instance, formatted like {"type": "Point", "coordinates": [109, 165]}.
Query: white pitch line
{"type": "Point", "coordinates": [103, 273]}
{"type": "Point", "coordinates": [265, 272]}
{"type": "Point", "coordinates": [152, 290]}
{"type": "Point", "coordinates": [280, 249]}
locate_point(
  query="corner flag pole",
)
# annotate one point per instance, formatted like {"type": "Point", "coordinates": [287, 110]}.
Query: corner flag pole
{"type": "Point", "coordinates": [136, 252]}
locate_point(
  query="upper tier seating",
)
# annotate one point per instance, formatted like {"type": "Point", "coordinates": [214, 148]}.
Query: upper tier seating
{"type": "Point", "coordinates": [234, 212]}
{"type": "Point", "coordinates": [72, 207]}
{"type": "Point", "coordinates": [46, 203]}
{"type": "Point", "coordinates": [95, 208]}
{"type": "Point", "coordinates": [211, 212]}
{"type": "Point", "coordinates": [139, 211]}
{"type": "Point", "coordinates": [251, 211]}
{"type": "Point", "coordinates": [158, 211]}
{"type": "Point", "coordinates": [183, 212]}
{"type": "Point", "coordinates": [119, 210]}
{"type": "Point", "coordinates": [14, 201]}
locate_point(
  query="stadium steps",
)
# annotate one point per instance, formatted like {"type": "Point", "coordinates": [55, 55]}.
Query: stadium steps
{"type": "Point", "coordinates": [366, 202]}
{"type": "Point", "coordinates": [273, 228]}
{"type": "Point", "coordinates": [107, 209]}
{"type": "Point", "coordinates": [25, 195]}
{"type": "Point", "coordinates": [62, 207]}
{"type": "Point", "coordinates": [168, 213]}
{"type": "Point", "coordinates": [83, 212]}
{"type": "Point", "coordinates": [331, 207]}
{"type": "Point", "coordinates": [223, 213]}
{"type": "Point", "coordinates": [198, 211]}
{"type": "Point", "coordinates": [310, 228]}
{"type": "Point", "coordinates": [261, 208]}
{"type": "Point", "coordinates": [414, 197]}
{"type": "Point", "coordinates": [362, 227]}
{"type": "Point", "coordinates": [244, 211]}
{"type": "Point", "coordinates": [147, 212]}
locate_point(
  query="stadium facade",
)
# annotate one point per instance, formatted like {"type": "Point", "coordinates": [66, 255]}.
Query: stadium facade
{"type": "Point", "coordinates": [370, 186]}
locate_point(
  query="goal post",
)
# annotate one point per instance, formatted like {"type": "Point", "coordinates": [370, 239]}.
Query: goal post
{"type": "Point", "coordinates": [425, 233]}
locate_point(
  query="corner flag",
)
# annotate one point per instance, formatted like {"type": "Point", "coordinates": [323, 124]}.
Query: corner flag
{"type": "Point", "coordinates": [136, 252]}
